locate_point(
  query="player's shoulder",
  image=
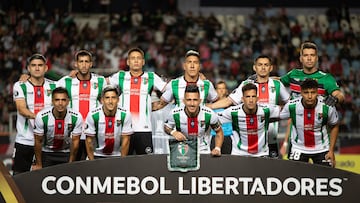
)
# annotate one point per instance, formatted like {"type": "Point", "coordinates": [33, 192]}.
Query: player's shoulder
{"type": "Point", "coordinates": [178, 109]}
{"type": "Point", "coordinates": [206, 109]}
{"type": "Point", "coordinates": [19, 83]}
{"type": "Point", "coordinates": [236, 107]}
{"type": "Point", "coordinates": [325, 75]}
{"type": "Point", "coordinates": [66, 78]}
{"type": "Point", "coordinates": [295, 101]}
{"type": "Point", "coordinates": [96, 110]}
{"type": "Point", "coordinates": [296, 70]}
{"type": "Point", "coordinates": [122, 109]}
{"type": "Point", "coordinates": [48, 81]}
{"type": "Point", "coordinates": [118, 74]}
{"type": "Point", "coordinates": [320, 72]}
{"type": "Point", "coordinates": [45, 111]}
{"type": "Point", "coordinates": [96, 76]}
{"type": "Point", "coordinates": [178, 79]}
{"type": "Point", "coordinates": [72, 112]}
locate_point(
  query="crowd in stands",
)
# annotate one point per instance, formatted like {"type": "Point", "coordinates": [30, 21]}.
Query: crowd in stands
{"type": "Point", "coordinates": [166, 35]}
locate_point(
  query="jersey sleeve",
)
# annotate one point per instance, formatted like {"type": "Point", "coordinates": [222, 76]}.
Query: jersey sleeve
{"type": "Point", "coordinates": [39, 125]}
{"type": "Point", "coordinates": [78, 126]}
{"type": "Point", "coordinates": [284, 94]}
{"type": "Point", "coordinates": [168, 95]}
{"type": "Point", "coordinates": [114, 79]}
{"type": "Point", "coordinates": [285, 113]}
{"type": "Point", "coordinates": [331, 84]}
{"type": "Point", "coordinates": [61, 82]}
{"type": "Point", "coordinates": [159, 84]}
{"type": "Point", "coordinates": [215, 121]}
{"type": "Point", "coordinates": [333, 116]}
{"type": "Point", "coordinates": [18, 93]}
{"type": "Point", "coordinates": [169, 120]}
{"type": "Point", "coordinates": [225, 116]}
{"type": "Point", "coordinates": [274, 111]}
{"type": "Point", "coordinates": [236, 94]}
{"type": "Point", "coordinates": [127, 127]}
{"type": "Point", "coordinates": [285, 79]}
{"type": "Point", "coordinates": [89, 126]}
{"type": "Point", "coordinates": [212, 96]}
{"type": "Point", "coordinates": [100, 77]}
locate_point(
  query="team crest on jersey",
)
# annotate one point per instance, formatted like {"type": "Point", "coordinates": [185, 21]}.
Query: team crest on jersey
{"type": "Point", "coordinates": [192, 123]}
{"type": "Point", "coordinates": [95, 85]}
{"type": "Point", "coordinates": [202, 123]}
{"type": "Point", "coordinates": [308, 115]}
{"type": "Point", "coordinates": [118, 123]}
{"type": "Point", "coordinates": [183, 148]}
{"type": "Point", "coordinates": [251, 120]}
{"type": "Point", "coordinates": [85, 84]}
{"type": "Point", "coordinates": [70, 126]}
{"type": "Point", "coordinates": [263, 89]}
{"type": "Point", "coordinates": [272, 89]}
{"type": "Point", "coordinates": [146, 81]}
{"type": "Point", "coordinates": [320, 116]}
{"type": "Point", "coordinates": [110, 124]}
{"type": "Point", "coordinates": [59, 125]}
{"type": "Point", "coordinates": [202, 87]}
{"type": "Point", "coordinates": [48, 92]}
{"type": "Point", "coordinates": [38, 92]}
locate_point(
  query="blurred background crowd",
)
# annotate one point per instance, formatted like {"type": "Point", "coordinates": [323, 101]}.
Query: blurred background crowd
{"type": "Point", "coordinates": [227, 42]}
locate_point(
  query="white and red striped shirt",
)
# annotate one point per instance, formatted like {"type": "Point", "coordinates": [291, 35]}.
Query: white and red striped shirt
{"type": "Point", "coordinates": [36, 98]}
{"type": "Point", "coordinates": [84, 94]}
{"type": "Point", "coordinates": [250, 131]}
{"type": "Point", "coordinates": [57, 132]}
{"type": "Point", "coordinates": [176, 90]}
{"type": "Point", "coordinates": [136, 96]}
{"type": "Point", "coordinates": [108, 130]}
{"type": "Point", "coordinates": [271, 92]}
{"type": "Point", "coordinates": [309, 126]}
{"type": "Point", "coordinates": [197, 126]}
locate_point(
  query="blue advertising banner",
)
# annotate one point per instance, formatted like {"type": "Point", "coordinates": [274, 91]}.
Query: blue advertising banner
{"type": "Point", "coordinates": [220, 179]}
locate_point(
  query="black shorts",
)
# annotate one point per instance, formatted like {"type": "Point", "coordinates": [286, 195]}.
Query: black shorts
{"type": "Point", "coordinates": [226, 146]}
{"type": "Point", "coordinates": [23, 158]}
{"type": "Point", "coordinates": [54, 158]}
{"type": "Point", "coordinates": [141, 143]}
{"type": "Point", "coordinates": [82, 153]}
{"type": "Point", "coordinates": [318, 158]}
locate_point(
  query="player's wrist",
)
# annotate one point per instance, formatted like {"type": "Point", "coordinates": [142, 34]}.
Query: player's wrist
{"type": "Point", "coordinates": [285, 144]}
{"type": "Point", "coordinates": [172, 132]}
{"type": "Point", "coordinates": [218, 149]}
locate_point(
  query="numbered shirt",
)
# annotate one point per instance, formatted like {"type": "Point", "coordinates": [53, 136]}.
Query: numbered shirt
{"type": "Point", "coordinates": [57, 132]}
{"type": "Point", "coordinates": [136, 96]}
{"type": "Point", "coordinates": [293, 79]}
{"type": "Point", "coordinates": [196, 126]}
{"type": "Point", "coordinates": [309, 126]}
{"type": "Point", "coordinates": [250, 131]}
{"type": "Point", "coordinates": [176, 90]}
{"type": "Point", "coordinates": [84, 94]}
{"type": "Point", "coordinates": [108, 130]}
{"type": "Point", "coordinates": [271, 92]}
{"type": "Point", "coordinates": [36, 98]}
